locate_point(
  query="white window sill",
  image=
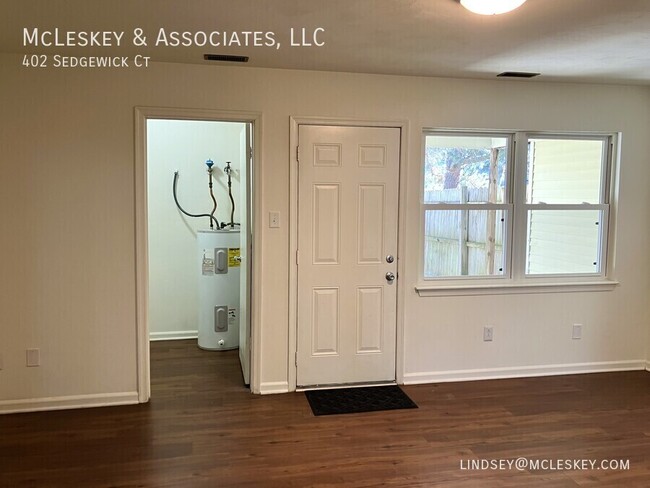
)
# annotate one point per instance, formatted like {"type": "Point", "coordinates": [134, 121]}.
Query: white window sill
{"type": "Point", "coordinates": [426, 290]}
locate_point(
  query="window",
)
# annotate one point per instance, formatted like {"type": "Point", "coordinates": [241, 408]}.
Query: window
{"type": "Point", "coordinates": [466, 204]}
{"type": "Point", "coordinates": [566, 205]}
{"type": "Point", "coordinates": [515, 206]}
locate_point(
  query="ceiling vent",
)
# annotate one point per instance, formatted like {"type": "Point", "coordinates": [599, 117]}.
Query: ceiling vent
{"type": "Point", "coordinates": [226, 57]}
{"type": "Point", "coordinates": [517, 74]}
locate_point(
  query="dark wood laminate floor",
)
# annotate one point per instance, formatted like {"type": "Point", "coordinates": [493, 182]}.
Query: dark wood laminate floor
{"type": "Point", "coordinates": [202, 428]}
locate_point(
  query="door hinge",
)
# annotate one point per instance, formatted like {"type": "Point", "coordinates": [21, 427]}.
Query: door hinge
{"type": "Point", "coordinates": [296, 358]}
{"type": "Point", "coordinates": [250, 153]}
{"type": "Point", "coordinates": [297, 257]}
{"type": "Point", "coordinates": [298, 154]}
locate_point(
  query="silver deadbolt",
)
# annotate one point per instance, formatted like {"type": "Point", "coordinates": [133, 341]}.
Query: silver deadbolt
{"type": "Point", "coordinates": [390, 277]}
{"type": "Point", "coordinates": [390, 258]}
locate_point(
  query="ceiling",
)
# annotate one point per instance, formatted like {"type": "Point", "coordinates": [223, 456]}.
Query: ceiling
{"type": "Point", "coordinates": [565, 40]}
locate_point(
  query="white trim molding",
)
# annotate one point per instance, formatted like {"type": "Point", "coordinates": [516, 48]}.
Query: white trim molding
{"type": "Point", "coordinates": [512, 288]}
{"type": "Point", "coordinates": [68, 402]}
{"type": "Point", "coordinates": [522, 371]}
{"type": "Point", "coordinates": [141, 115]}
{"type": "Point", "coordinates": [174, 335]}
{"type": "Point", "coordinates": [273, 387]}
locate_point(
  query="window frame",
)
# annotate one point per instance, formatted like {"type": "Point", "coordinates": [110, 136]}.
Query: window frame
{"type": "Point", "coordinates": [603, 206]}
{"type": "Point", "coordinates": [514, 278]}
{"type": "Point", "coordinates": [507, 206]}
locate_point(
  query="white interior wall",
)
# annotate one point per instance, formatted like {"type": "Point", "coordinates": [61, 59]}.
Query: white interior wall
{"type": "Point", "coordinates": [184, 145]}
{"type": "Point", "coordinates": [68, 213]}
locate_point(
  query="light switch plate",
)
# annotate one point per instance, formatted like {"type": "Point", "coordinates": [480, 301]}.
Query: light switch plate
{"type": "Point", "coordinates": [488, 333]}
{"type": "Point", "coordinates": [576, 332]}
{"type": "Point", "coordinates": [33, 357]}
{"type": "Point", "coordinates": [274, 220]}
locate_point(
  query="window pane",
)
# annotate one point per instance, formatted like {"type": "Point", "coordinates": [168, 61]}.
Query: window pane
{"type": "Point", "coordinates": [464, 243]}
{"type": "Point", "coordinates": [563, 241]}
{"type": "Point", "coordinates": [564, 171]}
{"type": "Point", "coordinates": [465, 169]}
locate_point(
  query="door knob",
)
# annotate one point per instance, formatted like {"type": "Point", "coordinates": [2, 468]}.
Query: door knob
{"type": "Point", "coordinates": [390, 277]}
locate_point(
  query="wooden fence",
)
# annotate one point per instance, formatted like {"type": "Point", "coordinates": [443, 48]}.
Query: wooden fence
{"type": "Point", "coordinates": [463, 242]}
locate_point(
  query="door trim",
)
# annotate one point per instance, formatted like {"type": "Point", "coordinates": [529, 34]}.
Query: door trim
{"type": "Point", "coordinates": [141, 115]}
{"type": "Point", "coordinates": [295, 123]}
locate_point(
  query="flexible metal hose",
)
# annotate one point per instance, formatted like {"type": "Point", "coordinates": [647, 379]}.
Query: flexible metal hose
{"type": "Point", "coordinates": [214, 208]}
{"type": "Point", "coordinates": [232, 201]}
{"type": "Point", "coordinates": [187, 213]}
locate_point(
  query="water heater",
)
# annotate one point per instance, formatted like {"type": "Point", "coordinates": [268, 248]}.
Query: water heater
{"type": "Point", "coordinates": [219, 268]}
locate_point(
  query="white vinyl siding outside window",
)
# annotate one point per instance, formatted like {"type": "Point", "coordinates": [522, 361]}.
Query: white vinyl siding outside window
{"type": "Point", "coordinates": [566, 205]}
{"type": "Point", "coordinates": [509, 209]}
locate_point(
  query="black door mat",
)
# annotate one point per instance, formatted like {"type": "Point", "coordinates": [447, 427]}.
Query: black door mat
{"type": "Point", "coordinates": [356, 400]}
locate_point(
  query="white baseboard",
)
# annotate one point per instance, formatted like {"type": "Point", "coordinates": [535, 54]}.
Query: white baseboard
{"type": "Point", "coordinates": [174, 335]}
{"type": "Point", "coordinates": [68, 402]}
{"type": "Point", "coordinates": [523, 371]}
{"type": "Point", "coordinates": [647, 365]}
{"type": "Point", "coordinates": [274, 387]}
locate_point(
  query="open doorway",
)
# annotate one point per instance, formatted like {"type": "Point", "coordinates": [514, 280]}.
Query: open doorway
{"type": "Point", "coordinates": [198, 208]}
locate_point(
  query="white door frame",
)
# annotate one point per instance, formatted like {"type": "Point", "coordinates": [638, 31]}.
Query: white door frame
{"type": "Point", "coordinates": [295, 122]}
{"type": "Point", "coordinates": [142, 114]}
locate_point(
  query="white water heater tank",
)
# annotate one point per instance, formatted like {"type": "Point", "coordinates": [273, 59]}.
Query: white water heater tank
{"type": "Point", "coordinates": [219, 262]}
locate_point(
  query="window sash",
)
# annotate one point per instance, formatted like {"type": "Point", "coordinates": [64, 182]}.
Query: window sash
{"type": "Point", "coordinates": [605, 160]}
{"type": "Point", "coordinates": [507, 242]}
{"type": "Point", "coordinates": [505, 206]}
{"type": "Point", "coordinates": [466, 206]}
{"type": "Point", "coordinates": [510, 160]}
{"type": "Point", "coordinates": [566, 206]}
{"type": "Point", "coordinates": [601, 252]}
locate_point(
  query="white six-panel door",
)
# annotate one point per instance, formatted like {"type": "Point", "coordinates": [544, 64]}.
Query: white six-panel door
{"type": "Point", "coordinates": [347, 228]}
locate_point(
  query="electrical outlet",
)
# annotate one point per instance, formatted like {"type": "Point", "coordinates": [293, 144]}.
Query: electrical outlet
{"type": "Point", "coordinates": [488, 333]}
{"type": "Point", "coordinates": [577, 331]}
{"type": "Point", "coordinates": [33, 357]}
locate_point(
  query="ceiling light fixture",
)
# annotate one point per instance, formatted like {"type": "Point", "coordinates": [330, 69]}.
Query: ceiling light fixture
{"type": "Point", "coordinates": [491, 7]}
